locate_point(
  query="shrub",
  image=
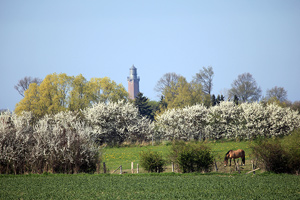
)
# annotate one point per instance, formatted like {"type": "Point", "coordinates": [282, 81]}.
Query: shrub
{"type": "Point", "coordinates": [279, 156]}
{"type": "Point", "coordinates": [271, 155]}
{"type": "Point", "coordinates": [57, 143]}
{"type": "Point", "coordinates": [291, 144]}
{"type": "Point", "coordinates": [152, 161]}
{"type": "Point", "coordinates": [191, 157]}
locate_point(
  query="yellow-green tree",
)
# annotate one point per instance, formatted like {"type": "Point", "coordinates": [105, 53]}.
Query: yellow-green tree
{"type": "Point", "coordinates": [30, 100]}
{"type": "Point", "coordinates": [106, 90]}
{"type": "Point", "coordinates": [52, 99]}
{"type": "Point", "coordinates": [60, 92]}
{"type": "Point", "coordinates": [80, 95]}
{"type": "Point", "coordinates": [183, 93]}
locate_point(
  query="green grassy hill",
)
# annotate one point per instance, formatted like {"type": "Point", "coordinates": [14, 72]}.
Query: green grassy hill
{"type": "Point", "coordinates": [114, 157]}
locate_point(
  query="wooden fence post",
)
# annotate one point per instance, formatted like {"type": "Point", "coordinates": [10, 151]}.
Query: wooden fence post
{"type": "Point", "coordinates": [172, 166]}
{"type": "Point", "coordinates": [137, 168]}
{"type": "Point", "coordinates": [216, 167]}
{"type": "Point", "coordinates": [237, 167]}
{"type": "Point", "coordinates": [253, 167]}
{"type": "Point", "coordinates": [104, 168]}
{"type": "Point", "coordinates": [120, 169]}
{"type": "Point", "coordinates": [132, 167]}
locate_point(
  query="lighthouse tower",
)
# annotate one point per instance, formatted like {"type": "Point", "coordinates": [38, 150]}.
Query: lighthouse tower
{"type": "Point", "coordinates": [133, 83]}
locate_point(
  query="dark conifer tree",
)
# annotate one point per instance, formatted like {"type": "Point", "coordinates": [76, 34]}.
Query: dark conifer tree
{"type": "Point", "coordinates": [141, 102]}
{"type": "Point", "coordinates": [218, 100]}
{"type": "Point", "coordinates": [236, 100]}
{"type": "Point", "coordinates": [222, 98]}
{"type": "Point", "coordinates": [213, 100]}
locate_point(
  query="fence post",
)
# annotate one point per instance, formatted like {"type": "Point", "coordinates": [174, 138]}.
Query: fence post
{"type": "Point", "coordinates": [104, 168]}
{"type": "Point", "coordinates": [132, 167]}
{"type": "Point", "coordinates": [237, 168]}
{"type": "Point", "coordinates": [120, 169]}
{"type": "Point", "coordinates": [172, 166]}
{"type": "Point", "coordinates": [216, 167]}
{"type": "Point", "coordinates": [137, 168]}
{"type": "Point", "coordinates": [253, 167]}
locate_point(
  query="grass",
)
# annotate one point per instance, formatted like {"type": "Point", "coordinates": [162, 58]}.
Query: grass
{"type": "Point", "coordinates": [150, 186]}
{"type": "Point", "coordinates": [227, 183]}
{"type": "Point", "coordinates": [114, 157]}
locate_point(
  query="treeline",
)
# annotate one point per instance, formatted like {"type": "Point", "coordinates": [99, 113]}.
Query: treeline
{"type": "Point", "coordinates": [227, 120]}
{"type": "Point", "coordinates": [68, 142]}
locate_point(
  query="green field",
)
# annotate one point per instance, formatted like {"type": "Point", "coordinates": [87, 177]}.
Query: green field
{"type": "Point", "coordinates": [150, 186]}
{"type": "Point", "coordinates": [226, 183]}
{"type": "Point", "coordinates": [114, 157]}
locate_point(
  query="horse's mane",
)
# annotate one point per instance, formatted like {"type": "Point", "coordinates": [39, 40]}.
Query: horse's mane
{"type": "Point", "coordinates": [228, 152]}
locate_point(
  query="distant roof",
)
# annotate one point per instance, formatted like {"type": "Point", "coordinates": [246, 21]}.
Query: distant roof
{"type": "Point", "coordinates": [133, 67]}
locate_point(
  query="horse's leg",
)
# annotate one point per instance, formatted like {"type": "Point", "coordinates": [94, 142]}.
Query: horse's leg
{"type": "Point", "coordinates": [243, 160]}
{"type": "Point", "coordinates": [229, 161]}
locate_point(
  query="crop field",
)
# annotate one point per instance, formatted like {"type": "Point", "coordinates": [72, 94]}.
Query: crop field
{"type": "Point", "coordinates": [150, 186]}
{"type": "Point", "coordinates": [114, 157]}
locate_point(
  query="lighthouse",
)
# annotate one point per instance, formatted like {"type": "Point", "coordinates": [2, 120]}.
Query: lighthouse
{"type": "Point", "coordinates": [133, 82]}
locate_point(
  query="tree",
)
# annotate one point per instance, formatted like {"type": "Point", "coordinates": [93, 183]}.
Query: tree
{"type": "Point", "coordinates": [24, 83]}
{"type": "Point", "coordinates": [60, 92]}
{"type": "Point", "coordinates": [168, 81]}
{"type": "Point", "coordinates": [142, 103]}
{"type": "Point", "coordinates": [106, 90]}
{"type": "Point", "coordinates": [30, 102]}
{"type": "Point", "coordinates": [183, 94]}
{"type": "Point", "coordinates": [245, 88]}
{"type": "Point", "coordinates": [80, 95]}
{"type": "Point", "coordinates": [205, 77]}
{"type": "Point", "coordinates": [277, 92]}
{"type": "Point", "coordinates": [213, 100]}
{"type": "Point", "coordinates": [236, 100]}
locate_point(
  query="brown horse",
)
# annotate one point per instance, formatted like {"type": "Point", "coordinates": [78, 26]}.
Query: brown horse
{"type": "Point", "coordinates": [234, 154]}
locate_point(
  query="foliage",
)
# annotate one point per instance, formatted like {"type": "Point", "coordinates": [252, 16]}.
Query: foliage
{"type": "Point", "coordinates": [177, 92]}
{"type": "Point", "coordinates": [205, 77]}
{"type": "Point", "coordinates": [227, 120]}
{"type": "Point", "coordinates": [24, 83]}
{"type": "Point", "coordinates": [291, 144]}
{"type": "Point", "coordinates": [191, 157]}
{"type": "Point", "coordinates": [166, 82]}
{"type": "Point", "coordinates": [114, 123]}
{"type": "Point", "coordinates": [56, 143]}
{"type": "Point", "coordinates": [182, 94]}
{"type": "Point", "coordinates": [142, 103]}
{"type": "Point", "coordinates": [245, 88]}
{"type": "Point", "coordinates": [271, 155]}
{"type": "Point", "coordinates": [279, 156]}
{"type": "Point", "coordinates": [152, 161]}
{"type": "Point", "coordinates": [277, 92]}
{"type": "Point", "coordinates": [59, 92]}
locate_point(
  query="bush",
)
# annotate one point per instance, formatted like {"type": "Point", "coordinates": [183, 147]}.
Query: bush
{"type": "Point", "coordinates": [191, 157]}
{"type": "Point", "coordinates": [291, 144]}
{"type": "Point", "coordinates": [279, 156]}
{"type": "Point", "coordinates": [271, 156]}
{"type": "Point", "coordinates": [57, 143]}
{"type": "Point", "coordinates": [152, 161]}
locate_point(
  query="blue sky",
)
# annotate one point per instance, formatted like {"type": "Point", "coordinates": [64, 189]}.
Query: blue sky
{"type": "Point", "coordinates": [105, 38]}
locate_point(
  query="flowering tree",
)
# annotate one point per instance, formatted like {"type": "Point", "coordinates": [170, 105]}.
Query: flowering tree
{"type": "Point", "coordinates": [185, 123]}
{"type": "Point", "coordinates": [117, 122]}
{"type": "Point", "coordinates": [227, 120]}
{"type": "Point", "coordinates": [58, 143]}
